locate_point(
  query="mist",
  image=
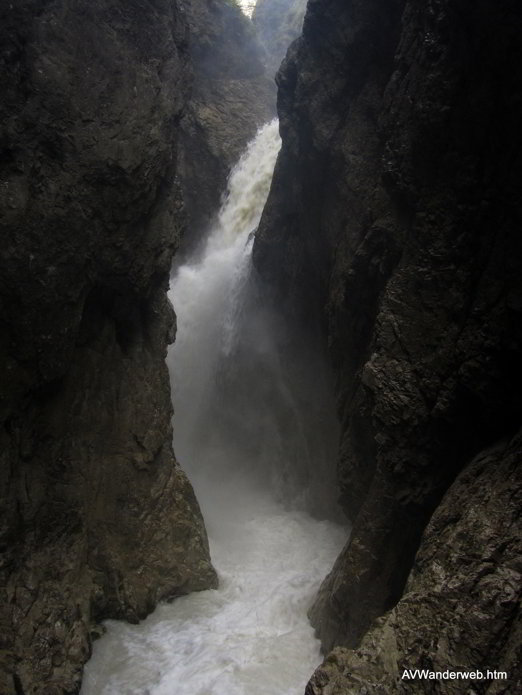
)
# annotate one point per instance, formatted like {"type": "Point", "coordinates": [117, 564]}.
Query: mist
{"type": "Point", "coordinates": [257, 438]}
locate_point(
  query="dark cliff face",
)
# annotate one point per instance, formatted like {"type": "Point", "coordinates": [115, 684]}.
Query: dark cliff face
{"type": "Point", "coordinates": [461, 606]}
{"type": "Point", "coordinates": [393, 223]}
{"type": "Point", "coordinates": [97, 519]}
{"type": "Point", "coordinates": [231, 97]}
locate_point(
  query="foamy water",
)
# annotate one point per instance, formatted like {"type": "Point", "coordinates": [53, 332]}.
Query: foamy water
{"type": "Point", "coordinates": [251, 636]}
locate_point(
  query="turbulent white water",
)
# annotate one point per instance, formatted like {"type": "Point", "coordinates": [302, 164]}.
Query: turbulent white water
{"type": "Point", "coordinates": [239, 435]}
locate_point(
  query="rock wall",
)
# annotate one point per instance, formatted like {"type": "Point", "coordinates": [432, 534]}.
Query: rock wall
{"type": "Point", "coordinates": [461, 606]}
{"type": "Point", "coordinates": [392, 224]}
{"type": "Point", "coordinates": [97, 519]}
{"type": "Point", "coordinates": [231, 97]}
{"type": "Point", "coordinates": [278, 23]}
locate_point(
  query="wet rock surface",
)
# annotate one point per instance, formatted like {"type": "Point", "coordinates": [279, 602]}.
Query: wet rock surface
{"type": "Point", "coordinates": [393, 225]}
{"type": "Point", "coordinates": [460, 610]}
{"type": "Point", "coordinates": [232, 95]}
{"type": "Point", "coordinates": [97, 518]}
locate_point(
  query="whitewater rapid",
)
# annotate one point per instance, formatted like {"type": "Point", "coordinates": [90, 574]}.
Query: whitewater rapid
{"type": "Point", "coordinates": [251, 636]}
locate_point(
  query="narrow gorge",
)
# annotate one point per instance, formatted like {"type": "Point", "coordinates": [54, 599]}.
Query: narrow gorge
{"type": "Point", "coordinates": [260, 361]}
{"type": "Point", "coordinates": [247, 452]}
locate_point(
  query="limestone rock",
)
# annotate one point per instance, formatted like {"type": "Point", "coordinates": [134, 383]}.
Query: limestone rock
{"type": "Point", "coordinates": [231, 97]}
{"type": "Point", "coordinates": [460, 610]}
{"type": "Point", "coordinates": [392, 224]}
{"type": "Point", "coordinates": [97, 519]}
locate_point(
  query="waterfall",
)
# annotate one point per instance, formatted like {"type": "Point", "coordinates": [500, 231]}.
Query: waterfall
{"type": "Point", "coordinates": [208, 298]}
{"type": "Point", "coordinates": [241, 435]}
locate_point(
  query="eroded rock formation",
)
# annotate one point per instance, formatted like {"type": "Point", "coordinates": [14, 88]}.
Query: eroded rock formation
{"type": "Point", "coordinates": [461, 606]}
{"type": "Point", "coordinates": [231, 97]}
{"type": "Point", "coordinates": [393, 223]}
{"type": "Point", "coordinates": [97, 518]}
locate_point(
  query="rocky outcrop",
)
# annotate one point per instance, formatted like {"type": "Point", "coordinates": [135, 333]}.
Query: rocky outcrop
{"type": "Point", "coordinates": [278, 23]}
{"type": "Point", "coordinates": [231, 98]}
{"type": "Point", "coordinates": [392, 224]}
{"type": "Point", "coordinates": [461, 607]}
{"type": "Point", "coordinates": [97, 519]}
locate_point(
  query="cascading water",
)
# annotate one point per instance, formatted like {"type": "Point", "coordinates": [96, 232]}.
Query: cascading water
{"type": "Point", "coordinates": [245, 446]}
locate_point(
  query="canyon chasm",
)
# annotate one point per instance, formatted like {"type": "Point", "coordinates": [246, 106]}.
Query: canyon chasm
{"type": "Point", "coordinates": [346, 371]}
